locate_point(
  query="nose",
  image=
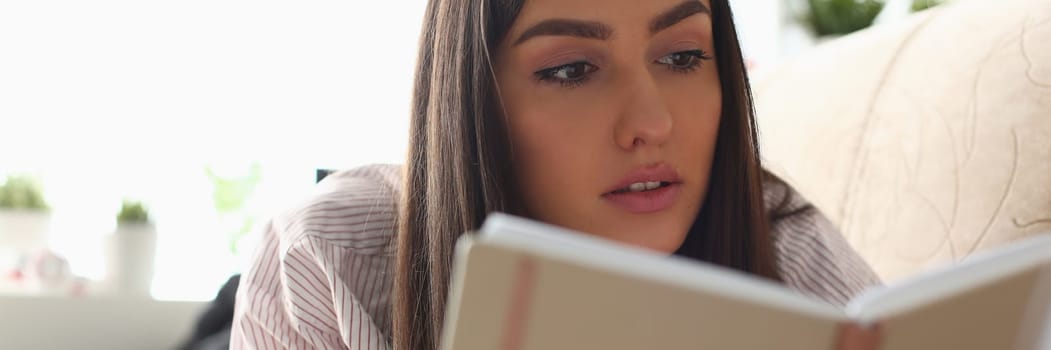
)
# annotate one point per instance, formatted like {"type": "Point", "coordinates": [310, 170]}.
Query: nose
{"type": "Point", "coordinates": [644, 119]}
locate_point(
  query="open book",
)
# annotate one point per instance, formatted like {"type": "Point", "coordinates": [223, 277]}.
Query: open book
{"type": "Point", "coordinates": [523, 285]}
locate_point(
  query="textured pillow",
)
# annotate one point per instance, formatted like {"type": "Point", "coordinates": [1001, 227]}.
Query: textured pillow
{"type": "Point", "coordinates": [924, 141]}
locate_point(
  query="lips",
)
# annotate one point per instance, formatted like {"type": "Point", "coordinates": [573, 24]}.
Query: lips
{"type": "Point", "coordinates": [661, 174]}
{"type": "Point", "coordinates": [646, 190]}
{"type": "Point", "coordinates": [641, 186]}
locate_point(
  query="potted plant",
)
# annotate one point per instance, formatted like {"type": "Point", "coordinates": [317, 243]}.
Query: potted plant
{"type": "Point", "coordinates": [24, 214]}
{"type": "Point", "coordinates": [131, 250]}
{"type": "Point", "coordinates": [832, 18]}
{"type": "Point", "coordinates": [133, 213]}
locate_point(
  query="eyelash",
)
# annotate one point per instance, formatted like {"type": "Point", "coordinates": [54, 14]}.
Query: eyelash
{"type": "Point", "coordinates": [698, 56]}
{"type": "Point", "coordinates": [547, 75]}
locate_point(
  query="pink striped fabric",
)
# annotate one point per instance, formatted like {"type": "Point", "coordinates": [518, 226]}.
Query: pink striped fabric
{"type": "Point", "coordinates": [321, 278]}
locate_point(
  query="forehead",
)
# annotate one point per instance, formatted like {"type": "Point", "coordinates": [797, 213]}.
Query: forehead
{"type": "Point", "coordinates": [628, 17]}
{"type": "Point", "coordinates": [612, 12]}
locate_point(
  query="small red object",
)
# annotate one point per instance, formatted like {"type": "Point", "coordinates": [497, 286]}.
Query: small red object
{"type": "Point", "coordinates": [16, 275]}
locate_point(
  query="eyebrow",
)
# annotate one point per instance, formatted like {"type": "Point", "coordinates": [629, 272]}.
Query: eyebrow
{"type": "Point", "coordinates": [676, 14]}
{"type": "Point", "coordinates": [567, 27]}
{"type": "Point", "coordinates": [600, 31]}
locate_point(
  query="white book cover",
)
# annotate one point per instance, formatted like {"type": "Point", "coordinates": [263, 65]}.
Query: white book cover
{"type": "Point", "coordinates": [522, 284]}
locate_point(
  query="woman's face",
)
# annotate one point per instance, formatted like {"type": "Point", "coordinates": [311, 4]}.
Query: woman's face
{"type": "Point", "coordinates": [613, 109]}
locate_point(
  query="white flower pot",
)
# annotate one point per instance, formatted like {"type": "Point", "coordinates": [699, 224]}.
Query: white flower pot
{"type": "Point", "coordinates": [130, 255]}
{"type": "Point", "coordinates": [24, 230]}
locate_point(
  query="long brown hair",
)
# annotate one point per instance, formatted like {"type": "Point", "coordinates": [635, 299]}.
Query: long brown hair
{"type": "Point", "coordinates": [458, 166]}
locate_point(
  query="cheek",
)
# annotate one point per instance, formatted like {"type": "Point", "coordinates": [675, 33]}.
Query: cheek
{"type": "Point", "coordinates": [697, 109]}
{"type": "Point", "coordinates": [697, 120]}
{"type": "Point", "coordinates": [558, 146]}
{"type": "Point", "coordinates": [697, 131]}
{"type": "Point", "coordinates": [550, 148]}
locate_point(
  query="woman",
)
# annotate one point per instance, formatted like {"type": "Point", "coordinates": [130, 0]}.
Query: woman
{"type": "Point", "coordinates": [629, 120]}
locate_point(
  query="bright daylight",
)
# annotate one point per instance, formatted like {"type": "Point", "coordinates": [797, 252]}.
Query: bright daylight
{"type": "Point", "coordinates": [160, 163]}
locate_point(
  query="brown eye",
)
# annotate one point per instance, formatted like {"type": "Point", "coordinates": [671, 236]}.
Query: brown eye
{"type": "Point", "coordinates": [573, 71]}
{"type": "Point", "coordinates": [567, 73]}
{"type": "Point", "coordinates": [680, 60]}
{"type": "Point", "coordinates": [684, 61]}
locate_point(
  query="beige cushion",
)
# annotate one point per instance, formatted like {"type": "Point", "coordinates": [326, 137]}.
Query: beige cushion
{"type": "Point", "coordinates": [926, 140]}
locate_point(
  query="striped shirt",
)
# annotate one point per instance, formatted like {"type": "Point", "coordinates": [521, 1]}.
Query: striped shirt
{"type": "Point", "coordinates": [321, 277]}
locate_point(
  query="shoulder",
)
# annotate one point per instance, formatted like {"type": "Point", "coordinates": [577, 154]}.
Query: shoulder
{"type": "Point", "coordinates": [813, 256]}
{"type": "Point", "coordinates": [355, 208]}
{"type": "Point", "coordinates": [320, 276]}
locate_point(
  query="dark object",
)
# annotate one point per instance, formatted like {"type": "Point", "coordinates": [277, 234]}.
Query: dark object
{"type": "Point", "coordinates": [321, 174]}
{"type": "Point", "coordinates": [838, 17]}
{"type": "Point", "coordinates": [212, 330]}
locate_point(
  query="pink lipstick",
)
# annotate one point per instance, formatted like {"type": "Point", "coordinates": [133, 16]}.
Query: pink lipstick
{"type": "Point", "coordinates": [646, 190]}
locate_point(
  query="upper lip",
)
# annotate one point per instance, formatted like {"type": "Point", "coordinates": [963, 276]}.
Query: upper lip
{"type": "Point", "coordinates": [661, 172]}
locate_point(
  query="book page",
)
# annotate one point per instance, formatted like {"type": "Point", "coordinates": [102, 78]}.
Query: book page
{"type": "Point", "coordinates": [989, 317]}
{"type": "Point", "coordinates": [932, 286]}
{"type": "Point", "coordinates": [994, 300]}
{"type": "Point", "coordinates": [1035, 332]}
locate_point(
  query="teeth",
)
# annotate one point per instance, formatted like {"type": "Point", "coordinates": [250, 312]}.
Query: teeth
{"type": "Point", "coordinates": [643, 186]}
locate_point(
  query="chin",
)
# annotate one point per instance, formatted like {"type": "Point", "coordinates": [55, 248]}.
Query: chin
{"type": "Point", "coordinates": [668, 246]}
{"type": "Point", "coordinates": [660, 238]}
{"type": "Point", "coordinates": [659, 232]}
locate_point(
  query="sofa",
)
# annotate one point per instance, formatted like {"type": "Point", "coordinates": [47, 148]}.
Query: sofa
{"type": "Point", "coordinates": [926, 140]}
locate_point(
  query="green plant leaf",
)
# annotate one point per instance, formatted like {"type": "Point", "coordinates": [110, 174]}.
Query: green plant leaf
{"type": "Point", "coordinates": [837, 17]}
{"type": "Point", "coordinates": [132, 212]}
{"type": "Point", "coordinates": [230, 194]}
{"type": "Point", "coordinates": [22, 192]}
{"type": "Point", "coordinates": [920, 5]}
